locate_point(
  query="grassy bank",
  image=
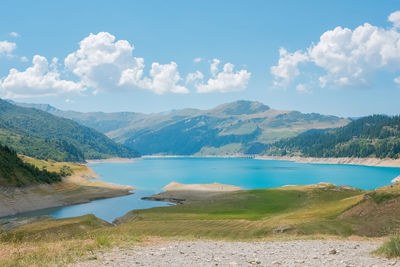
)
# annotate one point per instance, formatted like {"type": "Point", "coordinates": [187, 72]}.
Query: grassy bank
{"type": "Point", "coordinates": [291, 212]}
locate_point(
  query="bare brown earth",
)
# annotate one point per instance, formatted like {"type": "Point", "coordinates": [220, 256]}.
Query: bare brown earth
{"type": "Point", "coordinates": [78, 188]}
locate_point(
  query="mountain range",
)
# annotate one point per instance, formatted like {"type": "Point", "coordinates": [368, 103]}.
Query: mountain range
{"type": "Point", "coordinates": [241, 127]}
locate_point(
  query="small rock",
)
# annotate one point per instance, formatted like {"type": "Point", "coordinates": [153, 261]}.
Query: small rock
{"type": "Point", "coordinates": [332, 252]}
{"type": "Point", "coordinates": [299, 261]}
{"type": "Point", "coordinates": [276, 262]}
{"type": "Point", "coordinates": [253, 262]}
{"type": "Point", "coordinates": [281, 229]}
{"type": "Point", "coordinates": [393, 263]}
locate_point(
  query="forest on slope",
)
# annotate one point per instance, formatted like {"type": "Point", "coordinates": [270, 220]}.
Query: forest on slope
{"type": "Point", "coordinates": [373, 136]}
{"type": "Point", "coordinates": [39, 134]}
{"type": "Point", "coordinates": [14, 172]}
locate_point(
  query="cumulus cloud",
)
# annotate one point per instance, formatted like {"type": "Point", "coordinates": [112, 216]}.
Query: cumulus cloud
{"type": "Point", "coordinates": [41, 79]}
{"type": "Point", "coordinates": [214, 67]}
{"type": "Point", "coordinates": [397, 80]}
{"type": "Point", "coordinates": [163, 78]}
{"type": "Point", "coordinates": [301, 88]}
{"type": "Point", "coordinates": [348, 57]}
{"type": "Point", "coordinates": [395, 19]}
{"type": "Point", "coordinates": [14, 34]}
{"type": "Point", "coordinates": [194, 76]}
{"type": "Point", "coordinates": [6, 48]}
{"type": "Point", "coordinates": [101, 62]}
{"type": "Point", "coordinates": [287, 68]}
{"type": "Point", "coordinates": [224, 81]}
{"type": "Point", "coordinates": [24, 59]}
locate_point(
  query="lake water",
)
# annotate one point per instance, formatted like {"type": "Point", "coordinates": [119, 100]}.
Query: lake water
{"type": "Point", "coordinates": [149, 176]}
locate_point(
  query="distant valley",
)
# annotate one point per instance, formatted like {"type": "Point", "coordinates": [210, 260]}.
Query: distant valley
{"type": "Point", "coordinates": [241, 127]}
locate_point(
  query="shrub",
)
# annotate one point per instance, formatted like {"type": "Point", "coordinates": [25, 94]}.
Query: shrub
{"type": "Point", "coordinates": [390, 248]}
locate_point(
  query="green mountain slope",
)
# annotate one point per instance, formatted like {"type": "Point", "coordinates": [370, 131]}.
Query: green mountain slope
{"type": "Point", "coordinates": [14, 172]}
{"type": "Point", "coordinates": [42, 135]}
{"type": "Point", "coordinates": [237, 127]}
{"type": "Point", "coordinates": [372, 136]}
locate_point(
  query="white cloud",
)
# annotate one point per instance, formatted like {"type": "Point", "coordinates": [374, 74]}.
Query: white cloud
{"type": "Point", "coordinates": [214, 67]}
{"type": "Point", "coordinates": [103, 63]}
{"type": "Point", "coordinates": [41, 79]}
{"type": "Point", "coordinates": [224, 81]}
{"type": "Point", "coordinates": [164, 78]}
{"type": "Point", "coordinates": [348, 57]}
{"type": "Point", "coordinates": [197, 59]}
{"type": "Point", "coordinates": [100, 60]}
{"type": "Point", "coordinates": [6, 48]}
{"type": "Point", "coordinates": [287, 68]}
{"type": "Point", "coordinates": [194, 76]}
{"type": "Point", "coordinates": [24, 59]}
{"type": "Point", "coordinates": [397, 80]}
{"type": "Point", "coordinates": [395, 19]}
{"type": "Point", "coordinates": [301, 88]}
{"type": "Point", "coordinates": [14, 34]}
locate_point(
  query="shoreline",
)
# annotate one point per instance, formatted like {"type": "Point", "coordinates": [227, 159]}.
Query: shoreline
{"type": "Point", "coordinates": [374, 162]}
{"type": "Point", "coordinates": [76, 189]}
{"type": "Point", "coordinates": [111, 160]}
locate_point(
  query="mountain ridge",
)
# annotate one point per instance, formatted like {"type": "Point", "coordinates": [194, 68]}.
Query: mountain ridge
{"type": "Point", "coordinates": [239, 127]}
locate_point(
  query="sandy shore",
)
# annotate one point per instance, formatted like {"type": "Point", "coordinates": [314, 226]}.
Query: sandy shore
{"type": "Point", "coordinates": [350, 161]}
{"type": "Point", "coordinates": [111, 160]}
{"type": "Point", "coordinates": [184, 193]}
{"type": "Point", "coordinates": [198, 156]}
{"type": "Point", "coordinates": [214, 187]}
{"type": "Point", "coordinates": [277, 253]}
{"type": "Point", "coordinates": [76, 189]}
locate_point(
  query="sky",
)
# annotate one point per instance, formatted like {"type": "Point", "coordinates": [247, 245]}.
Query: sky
{"type": "Point", "coordinates": [331, 57]}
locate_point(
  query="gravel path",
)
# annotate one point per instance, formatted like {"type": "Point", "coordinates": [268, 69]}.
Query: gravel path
{"type": "Point", "coordinates": [209, 253]}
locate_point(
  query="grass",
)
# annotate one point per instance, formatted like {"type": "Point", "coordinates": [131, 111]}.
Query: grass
{"type": "Point", "coordinates": [60, 242]}
{"type": "Point", "coordinates": [251, 214]}
{"type": "Point", "coordinates": [390, 248]}
{"type": "Point", "coordinates": [53, 166]}
{"type": "Point", "coordinates": [310, 211]}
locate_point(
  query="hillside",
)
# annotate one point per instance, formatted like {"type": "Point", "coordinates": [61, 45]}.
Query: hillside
{"type": "Point", "coordinates": [373, 136]}
{"type": "Point", "coordinates": [245, 127]}
{"type": "Point", "coordinates": [14, 172]}
{"type": "Point", "coordinates": [42, 135]}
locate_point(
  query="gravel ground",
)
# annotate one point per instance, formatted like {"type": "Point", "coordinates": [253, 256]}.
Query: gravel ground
{"type": "Point", "coordinates": [209, 253]}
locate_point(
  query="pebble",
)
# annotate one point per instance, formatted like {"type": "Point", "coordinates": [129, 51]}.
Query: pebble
{"type": "Point", "coordinates": [277, 253]}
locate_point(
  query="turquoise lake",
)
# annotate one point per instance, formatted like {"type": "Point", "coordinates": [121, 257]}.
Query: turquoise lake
{"type": "Point", "coordinates": [149, 176]}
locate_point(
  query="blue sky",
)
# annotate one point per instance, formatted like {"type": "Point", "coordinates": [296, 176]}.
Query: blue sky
{"type": "Point", "coordinates": [145, 67]}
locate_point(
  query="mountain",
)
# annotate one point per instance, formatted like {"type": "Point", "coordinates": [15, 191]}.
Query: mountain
{"type": "Point", "coordinates": [39, 134]}
{"type": "Point", "coordinates": [372, 136]}
{"type": "Point", "coordinates": [238, 127]}
{"type": "Point", "coordinates": [14, 172]}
